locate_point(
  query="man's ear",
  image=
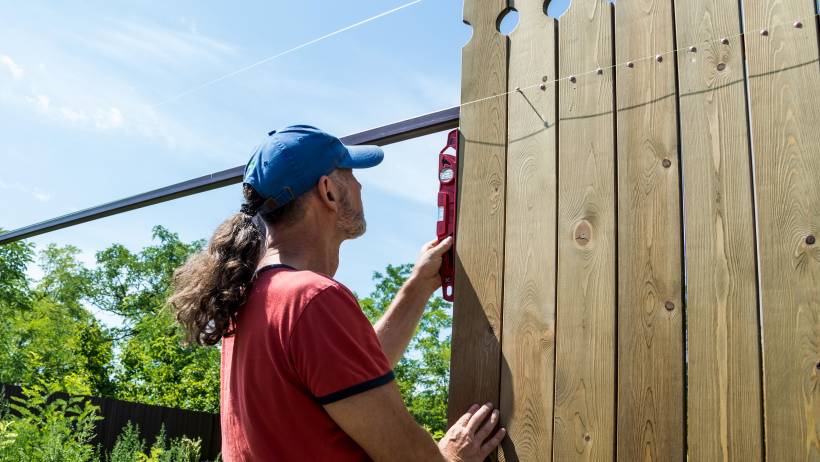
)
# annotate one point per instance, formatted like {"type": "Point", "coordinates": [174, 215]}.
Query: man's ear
{"type": "Point", "coordinates": [328, 193]}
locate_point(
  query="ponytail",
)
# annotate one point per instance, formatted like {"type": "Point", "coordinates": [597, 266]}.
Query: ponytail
{"type": "Point", "coordinates": [211, 286]}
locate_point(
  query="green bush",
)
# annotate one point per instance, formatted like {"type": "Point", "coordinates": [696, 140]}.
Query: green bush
{"type": "Point", "coordinates": [131, 448]}
{"type": "Point", "coordinates": [47, 430]}
{"type": "Point", "coordinates": [39, 428]}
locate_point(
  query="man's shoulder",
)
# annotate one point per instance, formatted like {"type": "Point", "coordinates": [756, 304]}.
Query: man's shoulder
{"type": "Point", "coordinates": [307, 285]}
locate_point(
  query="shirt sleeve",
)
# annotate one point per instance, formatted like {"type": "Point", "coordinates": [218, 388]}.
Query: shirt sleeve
{"type": "Point", "coordinates": [334, 349]}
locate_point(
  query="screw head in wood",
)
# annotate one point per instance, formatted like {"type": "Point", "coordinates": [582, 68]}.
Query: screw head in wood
{"type": "Point", "coordinates": [721, 66]}
{"type": "Point", "coordinates": [817, 366]}
{"type": "Point", "coordinates": [573, 79]}
{"type": "Point", "coordinates": [724, 40]}
{"type": "Point", "coordinates": [669, 306]}
{"type": "Point", "coordinates": [764, 32]}
{"type": "Point", "coordinates": [659, 58]}
{"type": "Point", "coordinates": [666, 163]}
{"type": "Point", "coordinates": [544, 78]}
{"type": "Point", "coordinates": [798, 24]}
{"type": "Point", "coordinates": [599, 71]}
{"type": "Point", "coordinates": [543, 86]}
{"type": "Point", "coordinates": [810, 240]}
{"type": "Point", "coordinates": [693, 49]}
{"type": "Point", "coordinates": [630, 64]}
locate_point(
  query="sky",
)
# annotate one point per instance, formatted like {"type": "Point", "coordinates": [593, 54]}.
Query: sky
{"type": "Point", "coordinates": [96, 105]}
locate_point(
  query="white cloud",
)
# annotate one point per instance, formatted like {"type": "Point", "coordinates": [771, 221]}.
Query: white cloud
{"type": "Point", "coordinates": [43, 100]}
{"type": "Point", "coordinates": [105, 119]}
{"type": "Point", "coordinates": [138, 43]}
{"type": "Point", "coordinates": [40, 195]}
{"type": "Point", "coordinates": [15, 70]}
{"type": "Point", "coordinates": [71, 115]}
{"type": "Point", "coordinates": [34, 192]}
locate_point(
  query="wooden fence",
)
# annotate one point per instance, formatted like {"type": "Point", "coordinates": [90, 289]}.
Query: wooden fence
{"type": "Point", "coordinates": [638, 276]}
{"type": "Point", "coordinates": [116, 414]}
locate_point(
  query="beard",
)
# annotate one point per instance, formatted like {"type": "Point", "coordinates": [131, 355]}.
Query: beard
{"type": "Point", "coordinates": [351, 223]}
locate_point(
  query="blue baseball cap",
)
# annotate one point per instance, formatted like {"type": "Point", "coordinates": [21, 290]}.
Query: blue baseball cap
{"type": "Point", "coordinates": [290, 162]}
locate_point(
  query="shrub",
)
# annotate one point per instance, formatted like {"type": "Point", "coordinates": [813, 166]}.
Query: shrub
{"type": "Point", "coordinates": [39, 428]}
{"type": "Point", "coordinates": [131, 448]}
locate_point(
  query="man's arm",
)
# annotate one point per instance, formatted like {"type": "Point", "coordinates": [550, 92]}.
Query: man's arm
{"type": "Point", "coordinates": [380, 423]}
{"type": "Point", "coordinates": [397, 325]}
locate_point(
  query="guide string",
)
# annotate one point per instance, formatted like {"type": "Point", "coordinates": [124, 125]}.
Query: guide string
{"type": "Point", "coordinates": [286, 52]}
{"type": "Point", "coordinates": [691, 48]}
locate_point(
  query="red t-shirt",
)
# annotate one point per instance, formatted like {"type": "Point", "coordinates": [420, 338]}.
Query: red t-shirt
{"type": "Point", "coordinates": [301, 341]}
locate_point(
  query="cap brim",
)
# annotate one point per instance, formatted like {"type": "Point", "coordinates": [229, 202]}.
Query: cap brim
{"type": "Point", "coordinates": [362, 157]}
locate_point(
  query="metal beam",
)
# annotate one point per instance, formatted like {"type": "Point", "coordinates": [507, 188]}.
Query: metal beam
{"type": "Point", "coordinates": [388, 134]}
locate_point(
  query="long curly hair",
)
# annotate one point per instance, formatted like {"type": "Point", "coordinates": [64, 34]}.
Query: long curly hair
{"type": "Point", "coordinates": [210, 288]}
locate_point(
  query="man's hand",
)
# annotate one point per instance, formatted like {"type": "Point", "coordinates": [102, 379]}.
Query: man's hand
{"type": "Point", "coordinates": [425, 272]}
{"type": "Point", "coordinates": [470, 440]}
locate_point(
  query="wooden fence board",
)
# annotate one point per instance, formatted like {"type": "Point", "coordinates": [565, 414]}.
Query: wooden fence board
{"type": "Point", "coordinates": [723, 393]}
{"type": "Point", "coordinates": [528, 337]}
{"type": "Point", "coordinates": [585, 349]}
{"type": "Point", "coordinates": [474, 376]}
{"type": "Point", "coordinates": [784, 90]}
{"type": "Point", "coordinates": [650, 344]}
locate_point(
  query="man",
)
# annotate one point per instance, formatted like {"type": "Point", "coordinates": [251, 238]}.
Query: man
{"type": "Point", "coordinates": [305, 377]}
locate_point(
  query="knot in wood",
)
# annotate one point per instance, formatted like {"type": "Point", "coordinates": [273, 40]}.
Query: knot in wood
{"type": "Point", "coordinates": [587, 437]}
{"type": "Point", "coordinates": [583, 233]}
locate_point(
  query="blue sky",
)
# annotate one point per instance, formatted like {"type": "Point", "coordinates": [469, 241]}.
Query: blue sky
{"type": "Point", "coordinates": [84, 115]}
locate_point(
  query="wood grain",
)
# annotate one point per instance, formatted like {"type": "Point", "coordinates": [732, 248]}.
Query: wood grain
{"type": "Point", "coordinates": [784, 89]}
{"type": "Point", "coordinates": [528, 338]}
{"type": "Point", "coordinates": [724, 376]}
{"type": "Point", "coordinates": [650, 342]}
{"type": "Point", "coordinates": [474, 365]}
{"type": "Point", "coordinates": [585, 350]}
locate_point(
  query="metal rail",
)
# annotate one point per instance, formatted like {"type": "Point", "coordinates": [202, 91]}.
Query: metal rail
{"type": "Point", "coordinates": [387, 134]}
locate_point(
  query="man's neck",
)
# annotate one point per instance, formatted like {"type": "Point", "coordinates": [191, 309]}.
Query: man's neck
{"type": "Point", "coordinates": [303, 250]}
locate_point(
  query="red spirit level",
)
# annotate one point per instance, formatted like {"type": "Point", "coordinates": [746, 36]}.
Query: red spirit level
{"type": "Point", "coordinates": [446, 226]}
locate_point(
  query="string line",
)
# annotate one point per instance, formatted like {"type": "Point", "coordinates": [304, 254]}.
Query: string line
{"type": "Point", "coordinates": [286, 52]}
{"type": "Point", "coordinates": [655, 56]}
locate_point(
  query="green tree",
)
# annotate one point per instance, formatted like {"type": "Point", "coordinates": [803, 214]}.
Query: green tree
{"type": "Point", "coordinates": [423, 373]}
{"type": "Point", "coordinates": [48, 336]}
{"type": "Point", "coordinates": [15, 297]}
{"type": "Point", "coordinates": [14, 284]}
{"type": "Point", "coordinates": [154, 366]}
